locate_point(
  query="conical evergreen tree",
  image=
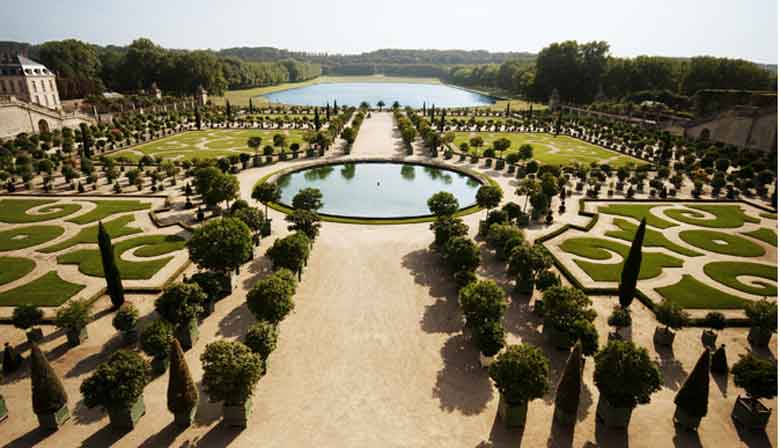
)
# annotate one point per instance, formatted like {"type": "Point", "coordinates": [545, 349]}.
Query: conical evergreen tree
{"type": "Point", "coordinates": [251, 106]}
{"type": "Point", "coordinates": [694, 394]}
{"type": "Point", "coordinates": [567, 397]}
{"type": "Point", "coordinates": [317, 124]}
{"type": "Point", "coordinates": [227, 110]}
{"type": "Point", "coordinates": [719, 362]}
{"type": "Point", "coordinates": [335, 107]}
{"type": "Point", "coordinates": [11, 360]}
{"type": "Point", "coordinates": [48, 394]}
{"type": "Point", "coordinates": [424, 111]}
{"type": "Point", "coordinates": [630, 274]}
{"type": "Point", "coordinates": [507, 108]}
{"type": "Point", "coordinates": [441, 122]}
{"type": "Point", "coordinates": [110, 270]}
{"type": "Point", "coordinates": [327, 111]}
{"type": "Point", "coordinates": [198, 118]}
{"type": "Point", "coordinates": [182, 392]}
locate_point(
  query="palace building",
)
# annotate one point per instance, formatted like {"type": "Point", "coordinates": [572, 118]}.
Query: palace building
{"type": "Point", "coordinates": [28, 81]}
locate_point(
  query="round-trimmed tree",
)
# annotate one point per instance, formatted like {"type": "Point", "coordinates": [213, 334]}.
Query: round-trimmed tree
{"type": "Point", "coordinates": [181, 303]}
{"type": "Point", "coordinates": [221, 245]}
{"type": "Point", "coordinates": [625, 375]}
{"type": "Point", "coordinates": [118, 382]}
{"type": "Point", "coordinates": [482, 302]}
{"type": "Point", "coordinates": [443, 204]}
{"type": "Point", "coordinates": [271, 299]}
{"type": "Point", "coordinates": [521, 374]}
{"type": "Point", "coordinates": [489, 196]}
{"type": "Point", "coordinates": [230, 371]}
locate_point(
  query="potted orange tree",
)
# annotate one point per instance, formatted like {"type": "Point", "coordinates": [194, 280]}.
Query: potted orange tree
{"type": "Point", "coordinates": [758, 377]}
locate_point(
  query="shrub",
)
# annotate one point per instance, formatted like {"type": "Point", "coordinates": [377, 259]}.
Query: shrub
{"type": "Point", "coordinates": [568, 310]}
{"type": "Point", "coordinates": [26, 316]}
{"type": "Point", "coordinates": [233, 249]}
{"type": "Point", "coordinates": [74, 316]}
{"type": "Point", "coordinates": [620, 317]}
{"type": "Point", "coordinates": [180, 303]}
{"type": "Point", "coordinates": [461, 254]}
{"type": "Point", "coordinates": [499, 234]}
{"type": "Point", "coordinates": [446, 228]}
{"type": "Point", "coordinates": [715, 320]}
{"type": "Point", "coordinates": [756, 375]}
{"type": "Point", "coordinates": [521, 373]}
{"type": "Point", "coordinates": [482, 302]}
{"type": "Point", "coordinates": [48, 394]}
{"type": "Point", "coordinates": [126, 317]}
{"type": "Point", "coordinates": [670, 314]}
{"type": "Point", "coordinates": [694, 393]}
{"type": "Point", "coordinates": [625, 375]}
{"type": "Point", "coordinates": [490, 337]}
{"type": "Point", "coordinates": [547, 279]}
{"type": "Point", "coordinates": [443, 204]}
{"type": "Point", "coordinates": [118, 382]}
{"type": "Point", "coordinates": [261, 338]}
{"type": "Point", "coordinates": [156, 339]}
{"type": "Point", "coordinates": [216, 285]}
{"type": "Point", "coordinates": [290, 252]}
{"type": "Point", "coordinates": [271, 297]}
{"type": "Point", "coordinates": [762, 314]}
{"type": "Point", "coordinates": [182, 393]}
{"type": "Point", "coordinates": [230, 371]}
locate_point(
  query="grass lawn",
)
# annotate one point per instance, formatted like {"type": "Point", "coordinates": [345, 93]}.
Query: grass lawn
{"type": "Point", "coordinates": [108, 208]}
{"type": "Point", "coordinates": [47, 290]}
{"type": "Point", "coordinates": [14, 211]}
{"type": "Point", "coordinates": [14, 268]}
{"type": "Point", "coordinates": [764, 234]}
{"type": "Point", "coordinates": [768, 215]}
{"type": "Point", "coordinates": [90, 263]}
{"type": "Point", "coordinates": [599, 249]}
{"type": "Point", "coordinates": [722, 243]}
{"type": "Point", "coordinates": [116, 228]}
{"type": "Point", "coordinates": [726, 216]}
{"type": "Point", "coordinates": [693, 294]}
{"type": "Point", "coordinates": [653, 238]}
{"type": "Point", "coordinates": [551, 150]}
{"type": "Point", "coordinates": [728, 273]}
{"type": "Point", "coordinates": [28, 236]}
{"type": "Point", "coordinates": [637, 211]}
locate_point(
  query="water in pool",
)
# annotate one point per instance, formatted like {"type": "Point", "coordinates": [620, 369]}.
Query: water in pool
{"type": "Point", "coordinates": [378, 190]}
{"type": "Point", "coordinates": [353, 93]}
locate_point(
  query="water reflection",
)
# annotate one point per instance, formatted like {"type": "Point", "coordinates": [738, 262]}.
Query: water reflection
{"type": "Point", "coordinates": [348, 171]}
{"type": "Point", "coordinates": [407, 172]}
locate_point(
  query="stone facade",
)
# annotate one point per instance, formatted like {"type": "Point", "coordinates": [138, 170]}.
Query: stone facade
{"type": "Point", "coordinates": [28, 81]}
{"type": "Point", "coordinates": [20, 116]}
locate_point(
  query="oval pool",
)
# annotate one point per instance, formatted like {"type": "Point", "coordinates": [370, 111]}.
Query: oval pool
{"type": "Point", "coordinates": [384, 190]}
{"type": "Point", "coordinates": [353, 93]}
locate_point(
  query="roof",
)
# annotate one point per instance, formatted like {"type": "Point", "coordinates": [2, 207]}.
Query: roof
{"type": "Point", "coordinates": [21, 65]}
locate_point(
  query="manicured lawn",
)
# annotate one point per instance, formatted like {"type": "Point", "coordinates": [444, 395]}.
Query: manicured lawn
{"type": "Point", "coordinates": [108, 208]}
{"type": "Point", "coordinates": [764, 234]}
{"type": "Point", "coordinates": [47, 290]}
{"type": "Point", "coordinates": [551, 150]}
{"type": "Point", "coordinates": [653, 238]}
{"type": "Point", "coordinates": [14, 211]}
{"type": "Point", "coordinates": [768, 215]}
{"type": "Point", "coordinates": [115, 228]}
{"type": "Point", "coordinates": [727, 272]}
{"type": "Point", "coordinates": [637, 211]}
{"type": "Point", "coordinates": [28, 236]}
{"type": "Point", "coordinates": [722, 243]}
{"type": "Point", "coordinates": [726, 216]}
{"type": "Point", "coordinates": [90, 263]}
{"type": "Point", "coordinates": [693, 294]}
{"type": "Point", "coordinates": [599, 249]}
{"type": "Point", "coordinates": [14, 268]}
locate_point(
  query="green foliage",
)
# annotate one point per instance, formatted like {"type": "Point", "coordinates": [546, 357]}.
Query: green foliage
{"type": "Point", "coordinates": [567, 396]}
{"type": "Point", "coordinates": [482, 302]}
{"type": "Point", "coordinates": [526, 262]}
{"type": "Point", "coordinates": [221, 245]}
{"type": "Point", "coordinates": [443, 204]}
{"type": "Point", "coordinates": [715, 320]}
{"type": "Point", "coordinates": [568, 311]}
{"type": "Point", "coordinates": [118, 382]}
{"type": "Point", "coordinates": [183, 394]}
{"type": "Point", "coordinates": [113, 278]}
{"type": "Point", "coordinates": [625, 375]}
{"type": "Point", "coordinates": [461, 254]}
{"type": "Point", "coordinates": [446, 228]}
{"type": "Point", "coordinates": [756, 375]}
{"type": "Point", "coordinates": [261, 338]}
{"type": "Point", "coordinates": [48, 394]}
{"type": "Point", "coordinates": [546, 280]}
{"type": "Point", "coordinates": [46, 290]}
{"type": "Point", "coordinates": [308, 199]}
{"type": "Point", "coordinates": [271, 297]}
{"type": "Point", "coordinates": [620, 317]}
{"type": "Point", "coordinates": [180, 303]}
{"type": "Point", "coordinates": [631, 267]}
{"type": "Point", "coordinates": [670, 314]}
{"type": "Point", "coordinates": [230, 371]}
{"type": "Point", "coordinates": [490, 337]}
{"type": "Point", "coordinates": [499, 234]}
{"type": "Point", "coordinates": [126, 317]}
{"type": "Point", "coordinates": [762, 314]}
{"type": "Point", "coordinates": [252, 217]}
{"type": "Point", "coordinates": [156, 339]}
{"type": "Point", "coordinates": [26, 316]}
{"type": "Point", "coordinates": [74, 315]}
{"type": "Point", "coordinates": [694, 394]}
{"type": "Point", "coordinates": [489, 196]}
{"type": "Point", "coordinates": [290, 252]}
{"type": "Point", "coordinates": [305, 221]}
{"type": "Point", "coordinates": [521, 373]}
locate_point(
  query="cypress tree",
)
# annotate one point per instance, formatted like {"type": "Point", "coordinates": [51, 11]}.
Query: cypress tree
{"type": "Point", "coordinates": [198, 120]}
{"type": "Point", "coordinates": [317, 118]}
{"type": "Point", "coordinates": [48, 394]}
{"type": "Point", "coordinates": [507, 108]}
{"type": "Point", "coordinates": [630, 274]}
{"type": "Point", "coordinates": [182, 393]}
{"type": "Point", "coordinates": [251, 106]}
{"type": "Point", "coordinates": [227, 110]}
{"type": "Point", "coordinates": [335, 107]}
{"type": "Point", "coordinates": [113, 278]}
{"type": "Point", "coordinates": [441, 122]}
{"type": "Point", "coordinates": [567, 397]}
{"type": "Point", "coordinates": [327, 111]}
{"type": "Point", "coordinates": [719, 363]}
{"type": "Point", "coordinates": [424, 111]}
{"type": "Point", "coordinates": [432, 111]}
{"type": "Point", "coordinates": [694, 394]}
{"type": "Point", "coordinates": [11, 360]}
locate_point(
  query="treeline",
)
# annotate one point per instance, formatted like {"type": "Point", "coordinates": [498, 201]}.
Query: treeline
{"type": "Point", "coordinates": [84, 69]}
{"type": "Point", "coordinates": [586, 72]}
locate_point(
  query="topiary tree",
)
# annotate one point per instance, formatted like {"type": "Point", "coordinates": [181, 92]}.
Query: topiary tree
{"type": "Point", "coordinates": [290, 252]}
{"type": "Point", "coordinates": [443, 204]}
{"type": "Point", "coordinates": [221, 245]}
{"type": "Point", "coordinates": [693, 397]}
{"type": "Point", "coordinates": [567, 396]}
{"type": "Point", "coordinates": [716, 321]}
{"type": "Point", "coordinates": [525, 263]}
{"type": "Point", "coordinates": [758, 377]}
{"type": "Point", "coordinates": [155, 341]}
{"type": "Point", "coordinates": [720, 364]}
{"type": "Point", "coordinates": [626, 377]}
{"type": "Point", "coordinates": [630, 272]}
{"type": "Point", "coordinates": [763, 320]}
{"type": "Point", "coordinates": [271, 297]}
{"type": "Point", "coordinates": [482, 302]}
{"type": "Point", "coordinates": [521, 374]}
{"type": "Point", "coordinates": [670, 315]}
{"type": "Point", "coordinates": [489, 196]}
{"type": "Point", "coordinates": [265, 193]}
{"type": "Point", "coordinates": [568, 318]}
{"type": "Point", "coordinates": [261, 338]}
{"type": "Point", "coordinates": [499, 234]}
{"type": "Point", "coordinates": [490, 338]}
{"type": "Point", "coordinates": [461, 254]}
{"type": "Point", "coordinates": [445, 228]}
{"type": "Point", "coordinates": [125, 320]}
{"type": "Point", "coordinates": [620, 318]}
{"type": "Point", "coordinates": [26, 317]}
{"type": "Point", "coordinates": [230, 372]}
{"type": "Point", "coordinates": [49, 398]}
{"type": "Point", "coordinates": [305, 222]}
{"type": "Point", "coordinates": [183, 395]}
{"type": "Point", "coordinates": [114, 286]}
{"type": "Point", "coordinates": [180, 304]}
{"type": "Point", "coordinates": [118, 386]}
{"type": "Point", "coordinates": [73, 317]}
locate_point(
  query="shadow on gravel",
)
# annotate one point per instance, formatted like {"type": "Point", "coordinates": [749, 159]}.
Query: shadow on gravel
{"type": "Point", "coordinates": [462, 385]}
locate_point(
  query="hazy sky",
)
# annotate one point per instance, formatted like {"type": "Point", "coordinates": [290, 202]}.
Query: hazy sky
{"type": "Point", "coordinates": [745, 29]}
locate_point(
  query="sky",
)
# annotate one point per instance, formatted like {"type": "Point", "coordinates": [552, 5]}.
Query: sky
{"type": "Point", "coordinates": [744, 29]}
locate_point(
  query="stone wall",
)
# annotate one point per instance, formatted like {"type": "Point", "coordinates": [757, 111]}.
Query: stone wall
{"type": "Point", "coordinates": [16, 117]}
{"type": "Point", "coordinates": [754, 129]}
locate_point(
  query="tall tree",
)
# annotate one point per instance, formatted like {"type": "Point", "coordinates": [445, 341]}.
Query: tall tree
{"type": "Point", "coordinates": [693, 396]}
{"type": "Point", "coordinates": [48, 394]}
{"type": "Point", "coordinates": [567, 396]}
{"type": "Point", "coordinates": [631, 267]}
{"type": "Point", "coordinates": [182, 393]}
{"type": "Point", "coordinates": [317, 124]}
{"type": "Point", "coordinates": [113, 278]}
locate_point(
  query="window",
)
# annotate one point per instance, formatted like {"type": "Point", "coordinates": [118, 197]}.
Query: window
{"type": "Point", "coordinates": [37, 101]}
{"type": "Point", "coordinates": [46, 99]}
{"type": "Point", "coordinates": [51, 84]}
{"type": "Point", "coordinates": [35, 87]}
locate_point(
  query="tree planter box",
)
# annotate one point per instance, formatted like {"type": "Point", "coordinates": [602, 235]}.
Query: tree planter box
{"type": "Point", "coordinates": [35, 335]}
{"type": "Point", "coordinates": [611, 416]}
{"type": "Point", "coordinates": [76, 336]}
{"type": "Point", "coordinates": [3, 409]}
{"type": "Point", "coordinates": [685, 420]}
{"type": "Point", "coordinates": [663, 336]}
{"type": "Point", "coordinates": [513, 414]}
{"type": "Point", "coordinates": [557, 338]}
{"type": "Point", "coordinates": [160, 365]}
{"type": "Point", "coordinates": [127, 417]}
{"type": "Point", "coordinates": [237, 415]}
{"type": "Point", "coordinates": [750, 414]}
{"type": "Point", "coordinates": [759, 337]}
{"type": "Point", "coordinates": [187, 334]}
{"type": "Point", "coordinates": [53, 420]}
{"type": "Point", "coordinates": [184, 419]}
{"type": "Point", "coordinates": [708, 338]}
{"type": "Point", "coordinates": [486, 361]}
